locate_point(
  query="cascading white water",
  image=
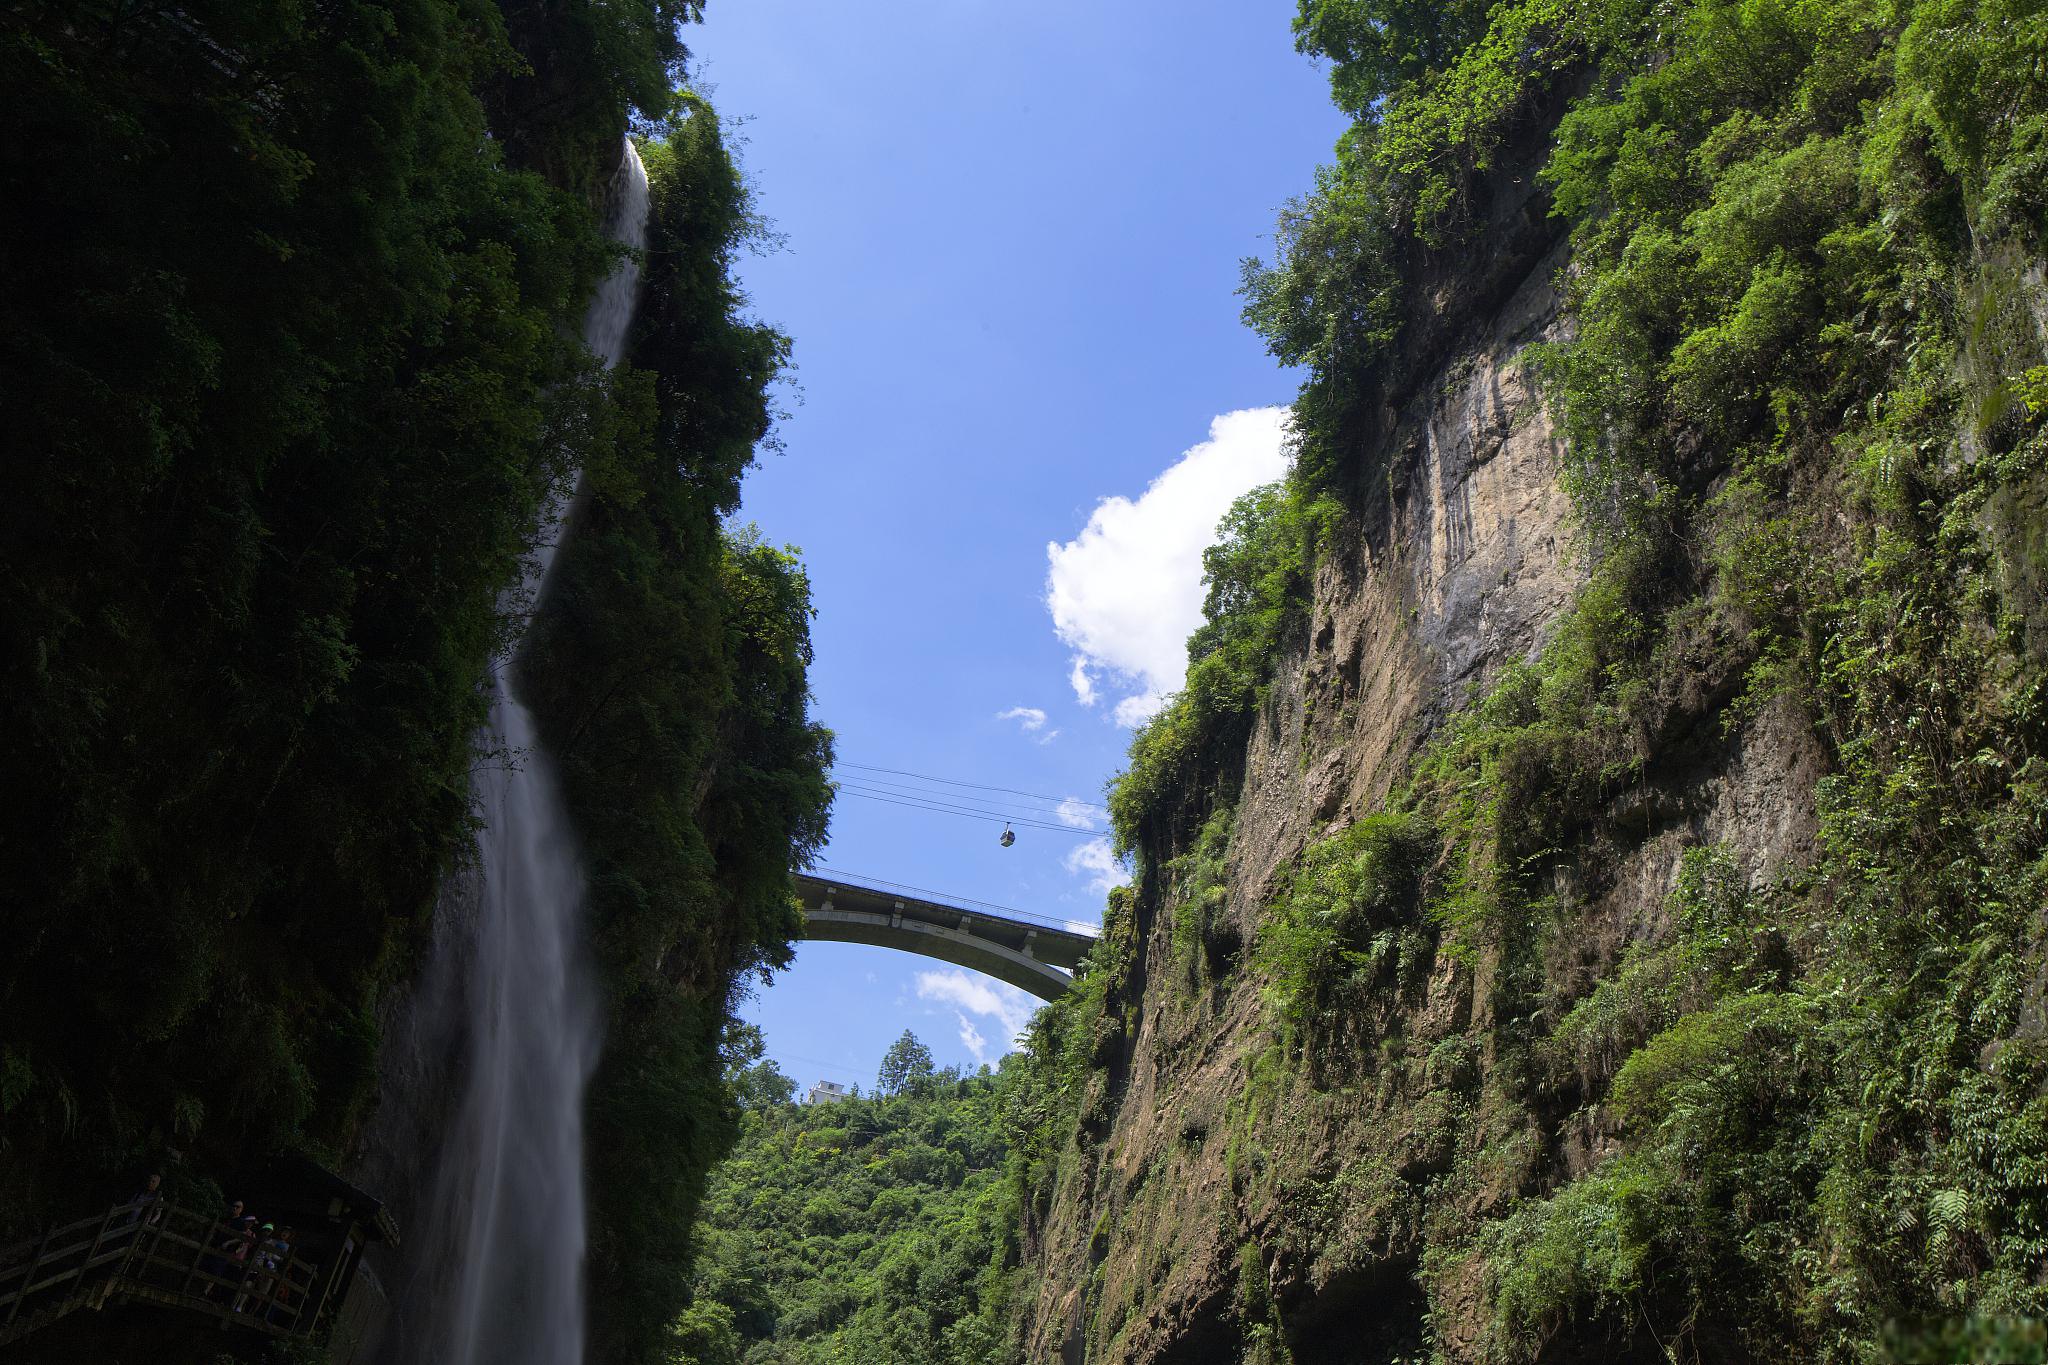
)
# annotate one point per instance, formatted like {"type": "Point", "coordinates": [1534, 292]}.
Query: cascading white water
{"type": "Point", "coordinates": [503, 1230]}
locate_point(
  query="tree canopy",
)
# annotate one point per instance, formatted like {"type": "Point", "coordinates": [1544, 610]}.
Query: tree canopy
{"type": "Point", "coordinates": [869, 1229]}
{"type": "Point", "coordinates": [906, 1066]}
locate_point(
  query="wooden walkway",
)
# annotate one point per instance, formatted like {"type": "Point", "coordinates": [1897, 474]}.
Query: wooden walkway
{"type": "Point", "coordinates": [153, 1252]}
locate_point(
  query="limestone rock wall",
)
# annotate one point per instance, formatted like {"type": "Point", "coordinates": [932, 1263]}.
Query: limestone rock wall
{"type": "Point", "coordinates": [1222, 1176]}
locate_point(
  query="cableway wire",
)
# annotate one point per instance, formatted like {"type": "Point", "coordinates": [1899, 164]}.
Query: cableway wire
{"type": "Point", "coordinates": [950, 782]}
{"type": "Point", "coordinates": [1081, 810]}
{"type": "Point", "coordinates": [840, 1067]}
{"type": "Point", "coordinates": [969, 807]}
{"type": "Point", "coordinates": [968, 814]}
{"type": "Point", "coordinates": [979, 812]}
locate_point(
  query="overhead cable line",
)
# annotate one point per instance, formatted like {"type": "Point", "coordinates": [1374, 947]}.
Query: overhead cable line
{"type": "Point", "coordinates": [949, 781]}
{"type": "Point", "coordinates": [1042, 807]}
{"type": "Point", "coordinates": [997, 810]}
{"type": "Point", "coordinates": [966, 814]}
{"type": "Point", "coordinates": [816, 1061]}
{"type": "Point", "coordinates": [970, 814]}
{"type": "Point", "coordinates": [1084, 812]}
{"type": "Point", "coordinates": [967, 808]}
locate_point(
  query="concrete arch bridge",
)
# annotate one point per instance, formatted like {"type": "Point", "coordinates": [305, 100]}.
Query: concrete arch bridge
{"type": "Point", "coordinates": [1032, 953]}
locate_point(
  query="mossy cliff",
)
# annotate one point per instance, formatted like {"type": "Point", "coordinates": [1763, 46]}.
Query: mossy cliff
{"type": "Point", "coordinates": [289, 306]}
{"type": "Point", "coordinates": [1589, 893]}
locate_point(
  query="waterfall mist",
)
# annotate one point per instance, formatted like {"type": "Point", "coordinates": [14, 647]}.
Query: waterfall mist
{"type": "Point", "coordinates": [497, 1256]}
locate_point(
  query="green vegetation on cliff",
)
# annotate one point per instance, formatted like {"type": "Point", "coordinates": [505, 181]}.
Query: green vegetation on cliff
{"type": "Point", "coordinates": [1257, 588]}
{"type": "Point", "coordinates": [668, 670]}
{"type": "Point", "coordinates": [288, 307]}
{"type": "Point", "coordinates": [289, 363]}
{"type": "Point", "coordinates": [1803, 244]}
{"type": "Point", "coordinates": [1801, 413]}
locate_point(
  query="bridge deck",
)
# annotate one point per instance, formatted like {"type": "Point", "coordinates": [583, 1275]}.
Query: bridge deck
{"type": "Point", "coordinates": [1033, 954]}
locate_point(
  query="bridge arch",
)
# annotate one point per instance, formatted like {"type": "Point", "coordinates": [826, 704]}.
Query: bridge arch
{"type": "Point", "coordinates": [1035, 955]}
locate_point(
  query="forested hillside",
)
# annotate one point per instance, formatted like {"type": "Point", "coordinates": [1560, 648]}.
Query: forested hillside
{"type": "Point", "coordinates": [872, 1228]}
{"type": "Point", "coordinates": [289, 299]}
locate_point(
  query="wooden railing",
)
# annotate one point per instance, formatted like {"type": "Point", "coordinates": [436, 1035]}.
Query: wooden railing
{"type": "Point", "coordinates": [153, 1252]}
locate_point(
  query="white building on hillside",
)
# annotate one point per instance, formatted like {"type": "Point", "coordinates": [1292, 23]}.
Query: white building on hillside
{"type": "Point", "coordinates": [825, 1092]}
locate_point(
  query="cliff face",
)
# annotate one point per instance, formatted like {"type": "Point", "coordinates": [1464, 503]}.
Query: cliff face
{"type": "Point", "coordinates": [677, 720]}
{"type": "Point", "coordinates": [1241, 1193]}
{"type": "Point", "coordinates": [1463, 565]}
{"type": "Point", "coordinates": [1588, 897]}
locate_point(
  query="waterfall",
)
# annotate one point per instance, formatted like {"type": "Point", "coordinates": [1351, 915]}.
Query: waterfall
{"type": "Point", "coordinates": [499, 1256]}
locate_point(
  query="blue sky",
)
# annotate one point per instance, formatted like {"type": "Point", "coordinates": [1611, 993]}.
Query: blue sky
{"type": "Point", "coordinates": [1012, 236]}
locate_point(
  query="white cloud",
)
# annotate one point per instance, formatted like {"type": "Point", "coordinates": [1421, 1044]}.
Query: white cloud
{"type": "Point", "coordinates": [1078, 814]}
{"type": "Point", "coordinates": [1084, 686]}
{"type": "Point", "coordinates": [1126, 593]}
{"type": "Point", "coordinates": [970, 994]}
{"type": "Point", "coordinates": [1031, 720]}
{"type": "Point", "coordinates": [1098, 862]}
{"type": "Point", "coordinates": [1134, 711]}
{"type": "Point", "coordinates": [973, 1039]}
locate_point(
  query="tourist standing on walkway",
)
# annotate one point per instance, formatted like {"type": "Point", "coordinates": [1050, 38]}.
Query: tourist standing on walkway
{"type": "Point", "coordinates": [281, 1287]}
{"type": "Point", "coordinates": [148, 1201]}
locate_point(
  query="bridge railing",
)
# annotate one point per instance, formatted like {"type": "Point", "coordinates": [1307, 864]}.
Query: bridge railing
{"type": "Point", "coordinates": [61, 1256]}
{"type": "Point", "coordinates": [854, 879]}
{"type": "Point", "coordinates": [154, 1252]}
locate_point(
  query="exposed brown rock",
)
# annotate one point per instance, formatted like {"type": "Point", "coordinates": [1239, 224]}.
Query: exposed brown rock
{"type": "Point", "coordinates": [1220, 1154]}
